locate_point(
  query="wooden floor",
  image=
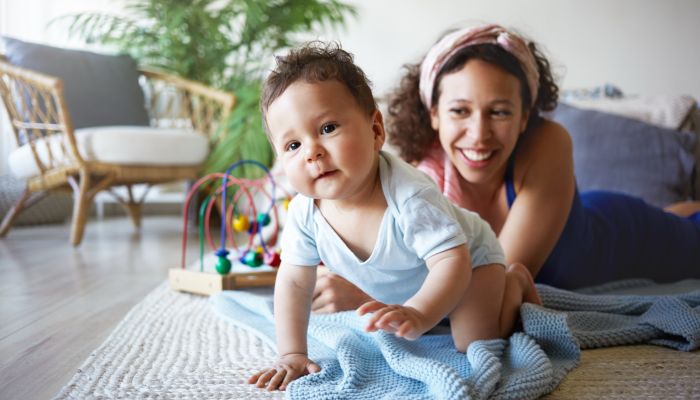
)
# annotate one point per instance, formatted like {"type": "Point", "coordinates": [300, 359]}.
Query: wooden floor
{"type": "Point", "coordinates": [58, 303]}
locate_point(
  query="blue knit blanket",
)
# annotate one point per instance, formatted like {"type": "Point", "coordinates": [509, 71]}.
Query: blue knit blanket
{"type": "Point", "coordinates": [531, 363]}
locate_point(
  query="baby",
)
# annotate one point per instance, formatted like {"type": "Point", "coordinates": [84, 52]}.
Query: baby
{"type": "Point", "coordinates": [373, 219]}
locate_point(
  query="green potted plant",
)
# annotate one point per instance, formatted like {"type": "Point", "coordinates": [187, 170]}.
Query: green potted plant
{"type": "Point", "coordinates": [227, 44]}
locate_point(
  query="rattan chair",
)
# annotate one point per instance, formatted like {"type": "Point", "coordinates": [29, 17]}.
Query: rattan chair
{"type": "Point", "coordinates": [41, 124]}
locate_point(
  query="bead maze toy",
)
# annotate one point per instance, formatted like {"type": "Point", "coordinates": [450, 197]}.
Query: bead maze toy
{"type": "Point", "coordinates": [249, 265]}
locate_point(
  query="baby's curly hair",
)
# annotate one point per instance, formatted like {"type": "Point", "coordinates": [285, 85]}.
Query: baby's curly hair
{"type": "Point", "coordinates": [317, 61]}
{"type": "Point", "coordinates": [408, 122]}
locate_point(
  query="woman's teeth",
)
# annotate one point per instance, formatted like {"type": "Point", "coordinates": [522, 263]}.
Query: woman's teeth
{"type": "Point", "coordinates": [474, 155]}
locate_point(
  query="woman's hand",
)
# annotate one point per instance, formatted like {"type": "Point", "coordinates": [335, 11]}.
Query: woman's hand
{"type": "Point", "coordinates": [333, 293]}
{"type": "Point", "coordinates": [403, 321]}
{"type": "Point", "coordinates": [287, 368]}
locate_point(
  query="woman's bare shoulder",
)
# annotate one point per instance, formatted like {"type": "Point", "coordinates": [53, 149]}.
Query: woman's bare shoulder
{"type": "Point", "coordinates": [548, 141]}
{"type": "Point", "coordinates": [550, 133]}
{"type": "Point", "coordinates": [546, 149]}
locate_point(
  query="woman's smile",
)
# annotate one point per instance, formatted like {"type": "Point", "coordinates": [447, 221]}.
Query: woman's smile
{"type": "Point", "coordinates": [477, 155]}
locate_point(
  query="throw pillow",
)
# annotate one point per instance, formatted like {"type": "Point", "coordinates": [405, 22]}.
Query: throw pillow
{"type": "Point", "coordinates": [625, 155]}
{"type": "Point", "coordinates": [100, 90]}
{"type": "Point", "coordinates": [694, 126]}
{"type": "Point", "coordinates": [667, 111]}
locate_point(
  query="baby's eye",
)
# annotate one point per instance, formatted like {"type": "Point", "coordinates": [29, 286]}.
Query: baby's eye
{"type": "Point", "coordinates": [328, 128]}
{"type": "Point", "coordinates": [459, 111]}
{"type": "Point", "coordinates": [292, 146]}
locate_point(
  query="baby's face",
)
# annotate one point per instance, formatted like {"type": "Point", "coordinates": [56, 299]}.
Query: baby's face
{"type": "Point", "coordinates": [327, 145]}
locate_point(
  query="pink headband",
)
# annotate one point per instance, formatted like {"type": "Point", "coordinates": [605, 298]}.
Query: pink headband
{"type": "Point", "coordinates": [449, 45]}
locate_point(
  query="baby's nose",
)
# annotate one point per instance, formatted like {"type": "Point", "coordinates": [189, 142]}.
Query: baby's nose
{"type": "Point", "coordinates": [314, 152]}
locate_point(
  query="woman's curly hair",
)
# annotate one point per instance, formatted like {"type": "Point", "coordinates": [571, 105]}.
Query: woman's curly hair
{"type": "Point", "coordinates": [408, 121]}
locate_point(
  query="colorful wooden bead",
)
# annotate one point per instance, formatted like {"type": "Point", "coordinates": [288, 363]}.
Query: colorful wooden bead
{"type": "Point", "coordinates": [241, 223]}
{"type": "Point", "coordinates": [272, 259]}
{"type": "Point", "coordinates": [223, 265]}
{"type": "Point", "coordinates": [263, 219]}
{"type": "Point", "coordinates": [253, 229]}
{"type": "Point", "coordinates": [252, 259]}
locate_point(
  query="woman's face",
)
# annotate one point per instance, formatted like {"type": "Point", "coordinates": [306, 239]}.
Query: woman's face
{"type": "Point", "coordinates": [479, 117]}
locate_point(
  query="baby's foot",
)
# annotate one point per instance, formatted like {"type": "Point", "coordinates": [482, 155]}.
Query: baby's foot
{"type": "Point", "coordinates": [522, 275]}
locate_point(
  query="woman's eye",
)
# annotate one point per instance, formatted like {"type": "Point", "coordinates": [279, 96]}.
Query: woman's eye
{"type": "Point", "coordinates": [501, 113]}
{"type": "Point", "coordinates": [293, 146]}
{"type": "Point", "coordinates": [458, 111]}
{"type": "Point", "coordinates": [328, 128]}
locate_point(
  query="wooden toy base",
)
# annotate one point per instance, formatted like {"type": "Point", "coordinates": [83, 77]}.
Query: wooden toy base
{"type": "Point", "coordinates": [207, 283]}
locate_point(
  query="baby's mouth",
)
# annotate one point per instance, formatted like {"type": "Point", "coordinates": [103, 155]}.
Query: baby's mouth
{"type": "Point", "coordinates": [325, 174]}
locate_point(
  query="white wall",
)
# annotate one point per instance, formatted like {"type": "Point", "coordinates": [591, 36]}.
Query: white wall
{"type": "Point", "coordinates": [642, 46]}
{"type": "Point", "coordinates": [29, 19]}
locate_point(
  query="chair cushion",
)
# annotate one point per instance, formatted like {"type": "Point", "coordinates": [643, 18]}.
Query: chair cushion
{"type": "Point", "coordinates": [100, 89]}
{"type": "Point", "coordinates": [126, 145]}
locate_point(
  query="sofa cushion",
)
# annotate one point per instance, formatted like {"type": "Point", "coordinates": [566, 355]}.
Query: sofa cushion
{"type": "Point", "coordinates": [100, 90]}
{"type": "Point", "coordinates": [625, 155]}
{"type": "Point", "coordinates": [127, 145]}
{"type": "Point", "coordinates": [666, 111]}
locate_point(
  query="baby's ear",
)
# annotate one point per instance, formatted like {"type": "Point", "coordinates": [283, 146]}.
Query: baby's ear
{"type": "Point", "coordinates": [378, 129]}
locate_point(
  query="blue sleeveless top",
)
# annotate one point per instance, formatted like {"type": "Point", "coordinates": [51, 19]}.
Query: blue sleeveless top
{"type": "Point", "coordinates": [610, 236]}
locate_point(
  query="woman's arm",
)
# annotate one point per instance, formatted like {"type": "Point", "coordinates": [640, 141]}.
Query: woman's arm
{"type": "Point", "coordinates": [334, 293]}
{"type": "Point", "coordinates": [447, 280]}
{"type": "Point", "coordinates": [545, 186]}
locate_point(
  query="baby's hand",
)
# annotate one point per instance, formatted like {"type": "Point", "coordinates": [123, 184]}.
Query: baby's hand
{"type": "Point", "coordinates": [287, 368]}
{"type": "Point", "coordinates": [403, 321]}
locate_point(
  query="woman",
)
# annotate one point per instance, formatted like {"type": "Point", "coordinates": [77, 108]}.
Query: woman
{"type": "Point", "coordinates": [469, 116]}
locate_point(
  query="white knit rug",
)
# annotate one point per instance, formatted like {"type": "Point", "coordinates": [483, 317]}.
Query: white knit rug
{"type": "Point", "coordinates": [172, 346]}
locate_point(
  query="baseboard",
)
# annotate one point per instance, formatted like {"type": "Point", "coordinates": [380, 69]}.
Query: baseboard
{"type": "Point", "coordinates": [149, 208]}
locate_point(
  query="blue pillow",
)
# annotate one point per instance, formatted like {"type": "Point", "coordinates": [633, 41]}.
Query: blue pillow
{"type": "Point", "coordinates": [629, 156]}
{"type": "Point", "coordinates": [100, 89]}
